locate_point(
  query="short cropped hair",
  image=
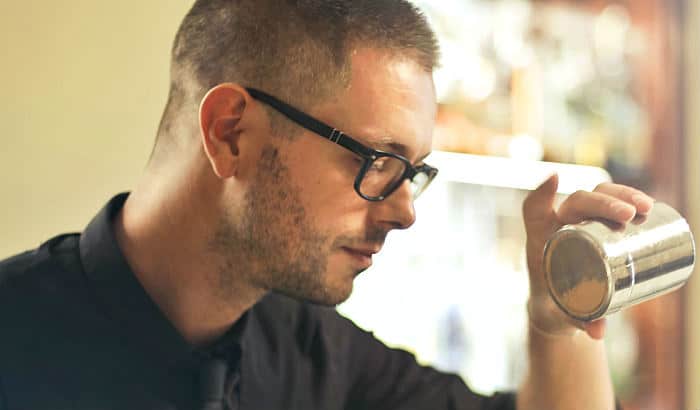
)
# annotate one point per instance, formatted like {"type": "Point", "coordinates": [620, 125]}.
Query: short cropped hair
{"type": "Point", "coordinates": [297, 50]}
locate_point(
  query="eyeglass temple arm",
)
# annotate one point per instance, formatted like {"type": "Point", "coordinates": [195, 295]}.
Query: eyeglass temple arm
{"type": "Point", "coordinates": [309, 122]}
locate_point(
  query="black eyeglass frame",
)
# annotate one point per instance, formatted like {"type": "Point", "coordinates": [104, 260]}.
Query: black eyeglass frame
{"type": "Point", "coordinates": [338, 137]}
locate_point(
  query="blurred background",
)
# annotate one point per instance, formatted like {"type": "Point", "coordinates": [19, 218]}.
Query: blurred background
{"type": "Point", "coordinates": [592, 89]}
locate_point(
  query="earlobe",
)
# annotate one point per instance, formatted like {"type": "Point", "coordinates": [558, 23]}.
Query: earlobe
{"type": "Point", "coordinates": [220, 115]}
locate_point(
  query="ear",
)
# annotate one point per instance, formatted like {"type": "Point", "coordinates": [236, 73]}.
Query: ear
{"type": "Point", "coordinates": [220, 117]}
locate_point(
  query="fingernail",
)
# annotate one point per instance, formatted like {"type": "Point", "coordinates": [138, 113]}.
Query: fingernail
{"type": "Point", "coordinates": [623, 210]}
{"type": "Point", "coordinates": [642, 200]}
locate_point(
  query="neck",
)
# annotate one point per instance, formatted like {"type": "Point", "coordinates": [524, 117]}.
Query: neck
{"type": "Point", "coordinates": [165, 235]}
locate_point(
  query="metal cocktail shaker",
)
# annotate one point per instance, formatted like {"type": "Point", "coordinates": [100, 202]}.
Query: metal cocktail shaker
{"type": "Point", "coordinates": [597, 267]}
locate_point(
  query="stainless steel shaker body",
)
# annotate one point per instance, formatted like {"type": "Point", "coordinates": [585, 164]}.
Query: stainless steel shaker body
{"type": "Point", "coordinates": [598, 267]}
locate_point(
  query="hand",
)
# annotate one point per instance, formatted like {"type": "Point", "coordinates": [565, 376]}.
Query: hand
{"type": "Point", "coordinates": [610, 201]}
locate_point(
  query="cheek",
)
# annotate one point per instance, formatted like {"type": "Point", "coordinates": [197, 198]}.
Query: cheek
{"type": "Point", "coordinates": [341, 223]}
{"type": "Point", "coordinates": [325, 188]}
{"type": "Point", "coordinates": [327, 194]}
{"type": "Point", "coordinates": [334, 209]}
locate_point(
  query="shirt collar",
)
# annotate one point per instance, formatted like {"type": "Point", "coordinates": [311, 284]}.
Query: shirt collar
{"type": "Point", "coordinates": [126, 302]}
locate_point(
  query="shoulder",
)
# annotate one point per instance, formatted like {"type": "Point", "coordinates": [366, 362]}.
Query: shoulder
{"type": "Point", "coordinates": [38, 276]}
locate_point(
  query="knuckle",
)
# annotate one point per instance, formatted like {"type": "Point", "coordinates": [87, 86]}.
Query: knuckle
{"type": "Point", "coordinates": [601, 186]}
{"type": "Point", "coordinates": [578, 195]}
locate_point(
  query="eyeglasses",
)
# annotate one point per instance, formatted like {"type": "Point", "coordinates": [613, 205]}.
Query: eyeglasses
{"type": "Point", "coordinates": [381, 172]}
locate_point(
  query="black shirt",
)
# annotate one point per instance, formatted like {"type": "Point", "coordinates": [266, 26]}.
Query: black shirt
{"type": "Point", "coordinates": [79, 332]}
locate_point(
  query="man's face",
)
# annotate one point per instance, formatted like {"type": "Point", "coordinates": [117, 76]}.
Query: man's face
{"type": "Point", "coordinates": [304, 231]}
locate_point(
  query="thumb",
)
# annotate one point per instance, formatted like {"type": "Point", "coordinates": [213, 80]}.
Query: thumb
{"type": "Point", "coordinates": [538, 205]}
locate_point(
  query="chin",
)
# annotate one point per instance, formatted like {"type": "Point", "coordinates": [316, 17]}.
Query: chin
{"type": "Point", "coordinates": [331, 296]}
{"type": "Point", "coordinates": [329, 288]}
{"type": "Point", "coordinates": [326, 295]}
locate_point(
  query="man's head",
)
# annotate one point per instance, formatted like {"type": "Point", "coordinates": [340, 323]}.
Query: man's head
{"type": "Point", "coordinates": [297, 50]}
{"type": "Point", "coordinates": [288, 218]}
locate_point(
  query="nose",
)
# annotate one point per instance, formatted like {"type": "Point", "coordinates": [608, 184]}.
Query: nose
{"type": "Point", "coordinates": [396, 211]}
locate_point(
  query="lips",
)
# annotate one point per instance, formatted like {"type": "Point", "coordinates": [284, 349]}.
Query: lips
{"type": "Point", "coordinates": [362, 256]}
{"type": "Point", "coordinates": [363, 251]}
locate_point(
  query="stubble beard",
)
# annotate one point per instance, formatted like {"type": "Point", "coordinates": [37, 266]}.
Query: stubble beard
{"type": "Point", "coordinates": [272, 245]}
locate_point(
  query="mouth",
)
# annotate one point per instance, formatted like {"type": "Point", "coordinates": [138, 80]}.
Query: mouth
{"type": "Point", "coordinates": [362, 257]}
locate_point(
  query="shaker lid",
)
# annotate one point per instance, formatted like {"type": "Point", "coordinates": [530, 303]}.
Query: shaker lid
{"type": "Point", "coordinates": [576, 274]}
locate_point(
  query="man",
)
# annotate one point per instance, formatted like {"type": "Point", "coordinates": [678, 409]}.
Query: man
{"type": "Point", "coordinates": [212, 284]}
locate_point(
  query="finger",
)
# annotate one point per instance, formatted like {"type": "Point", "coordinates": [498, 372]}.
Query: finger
{"type": "Point", "coordinates": [538, 205]}
{"type": "Point", "coordinates": [639, 199]}
{"type": "Point", "coordinates": [596, 330]}
{"type": "Point", "coordinates": [583, 205]}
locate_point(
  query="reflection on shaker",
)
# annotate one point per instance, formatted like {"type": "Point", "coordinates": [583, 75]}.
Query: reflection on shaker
{"type": "Point", "coordinates": [598, 267]}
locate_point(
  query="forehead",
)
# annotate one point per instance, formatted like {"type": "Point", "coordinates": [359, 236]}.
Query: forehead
{"type": "Point", "coordinates": [389, 103]}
